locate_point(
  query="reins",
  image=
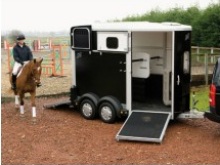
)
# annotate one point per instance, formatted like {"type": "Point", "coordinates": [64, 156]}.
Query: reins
{"type": "Point", "coordinates": [31, 66]}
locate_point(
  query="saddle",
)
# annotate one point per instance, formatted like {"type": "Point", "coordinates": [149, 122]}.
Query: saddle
{"type": "Point", "coordinates": [20, 70]}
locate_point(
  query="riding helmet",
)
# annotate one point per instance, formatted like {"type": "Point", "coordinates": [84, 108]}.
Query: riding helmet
{"type": "Point", "coordinates": [20, 37]}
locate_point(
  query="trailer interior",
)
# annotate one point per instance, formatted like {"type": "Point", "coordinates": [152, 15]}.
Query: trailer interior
{"type": "Point", "coordinates": [151, 71]}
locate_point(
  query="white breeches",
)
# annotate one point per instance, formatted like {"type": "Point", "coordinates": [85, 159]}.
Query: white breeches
{"type": "Point", "coordinates": [17, 66]}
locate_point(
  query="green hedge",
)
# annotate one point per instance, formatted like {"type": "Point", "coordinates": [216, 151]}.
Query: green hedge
{"type": "Point", "coordinates": [205, 22]}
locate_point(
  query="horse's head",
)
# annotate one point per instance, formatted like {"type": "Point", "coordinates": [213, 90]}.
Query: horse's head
{"type": "Point", "coordinates": [37, 68]}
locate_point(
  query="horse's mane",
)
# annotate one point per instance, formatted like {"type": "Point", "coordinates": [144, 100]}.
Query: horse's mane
{"type": "Point", "coordinates": [28, 67]}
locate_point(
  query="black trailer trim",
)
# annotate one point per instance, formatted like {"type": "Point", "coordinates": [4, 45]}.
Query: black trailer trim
{"type": "Point", "coordinates": [81, 38]}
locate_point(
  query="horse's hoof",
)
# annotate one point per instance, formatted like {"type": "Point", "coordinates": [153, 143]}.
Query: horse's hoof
{"type": "Point", "coordinates": [34, 120]}
{"type": "Point", "coordinates": [22, 116]}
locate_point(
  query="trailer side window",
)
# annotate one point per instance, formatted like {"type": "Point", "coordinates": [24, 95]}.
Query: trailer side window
{"type": "Point", "coordinates": [112, 42]}
{"type": "Point", "coordinates": [81, 38]}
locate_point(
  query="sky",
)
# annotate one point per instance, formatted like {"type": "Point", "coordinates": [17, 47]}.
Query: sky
{"type": "Point", "coordinates": [57, 15]}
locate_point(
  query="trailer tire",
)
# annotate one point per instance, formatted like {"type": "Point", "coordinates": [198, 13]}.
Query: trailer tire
{"type": "Point", "coordinates": [107, 112]}
{"type": "Point", "coordinates": [88, 109]}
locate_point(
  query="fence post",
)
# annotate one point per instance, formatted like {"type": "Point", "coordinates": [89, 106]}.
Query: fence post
{"type": "Point", "coordinates": [212, 57]}
{"type": "Point", "coordinates": [212, 50]}
{"type": "Point", "coordinates": [57, 61]}
{"type": "Point", "coordinates": [5, 45]}
{"type": "Point", "coordinates": [206, 69]}
{"type": "Point", "coordinates": [197, 52]}
{"type": "Point", "coordinates": [10, 58]}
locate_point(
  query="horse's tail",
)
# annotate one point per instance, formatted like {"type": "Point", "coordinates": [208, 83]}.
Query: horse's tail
{"type": "Point", "coordinates": [10, 91]}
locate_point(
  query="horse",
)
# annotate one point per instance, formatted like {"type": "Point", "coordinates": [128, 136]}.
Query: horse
{"type": "Point", "coordinates": [27, 80]}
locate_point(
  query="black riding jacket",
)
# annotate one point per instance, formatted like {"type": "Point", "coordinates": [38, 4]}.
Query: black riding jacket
{"type": "Point", "coordinates": [22, 54]}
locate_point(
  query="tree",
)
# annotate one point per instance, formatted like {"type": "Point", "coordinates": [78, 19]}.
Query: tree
{"type": "Point", "coordinates": [205, 23]}
{"type": "Point", "coordinates": [13, 35]}
{"type": "Point", "coordinates": [2, 41]}
{"type": "Point", "coordinates": [207, 28]}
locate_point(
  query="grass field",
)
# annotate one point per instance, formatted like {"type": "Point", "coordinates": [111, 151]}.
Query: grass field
{"type": "Point", "coordinates": [201, 96]}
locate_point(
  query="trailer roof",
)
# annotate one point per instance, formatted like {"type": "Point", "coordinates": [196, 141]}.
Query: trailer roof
{"type": "Point", "coordinates": [140, 26]}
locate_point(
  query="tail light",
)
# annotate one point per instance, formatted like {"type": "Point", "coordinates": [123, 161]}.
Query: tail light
{"type": "Point", "coordinates": [212, 95]}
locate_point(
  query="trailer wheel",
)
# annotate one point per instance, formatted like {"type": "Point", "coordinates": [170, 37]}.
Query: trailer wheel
{"type": "Point", "coordinates": [107, 112]}
{"type": "Point", "coordinates": [88, 109]}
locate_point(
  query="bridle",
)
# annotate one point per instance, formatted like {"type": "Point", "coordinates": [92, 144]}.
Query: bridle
{"type": "Point", "coordinates": [36, 72]}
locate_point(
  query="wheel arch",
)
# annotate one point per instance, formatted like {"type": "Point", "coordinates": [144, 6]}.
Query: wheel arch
{"type": "Point", "coordinates": [92, 96]}
{"type": "Point", "coordinates": [114, 102]}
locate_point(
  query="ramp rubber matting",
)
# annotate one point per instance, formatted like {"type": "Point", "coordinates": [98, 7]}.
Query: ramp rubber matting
{"type": "Point", "coordinates": [144, 126]}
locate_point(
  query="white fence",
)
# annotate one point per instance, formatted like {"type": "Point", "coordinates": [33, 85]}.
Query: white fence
{"type": "Point", "coordinates": [203, 61]}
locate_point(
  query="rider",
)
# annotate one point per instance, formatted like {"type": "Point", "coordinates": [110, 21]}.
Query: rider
{"type": "Point", "coordinates": [21, 54]}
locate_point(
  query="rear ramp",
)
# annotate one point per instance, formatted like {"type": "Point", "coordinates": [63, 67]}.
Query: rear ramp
{"type": "Point", "coordinates": [144, 126]}
{"type": "Point", "coordinates": [58, 105]}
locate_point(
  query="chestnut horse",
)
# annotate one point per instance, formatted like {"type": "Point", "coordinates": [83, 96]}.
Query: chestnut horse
{"type": "Point", "coordinates": [27, 80]}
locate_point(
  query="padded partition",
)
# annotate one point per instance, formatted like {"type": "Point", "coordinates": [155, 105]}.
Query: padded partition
{"type": "Point", "coordinates": [140, 65]}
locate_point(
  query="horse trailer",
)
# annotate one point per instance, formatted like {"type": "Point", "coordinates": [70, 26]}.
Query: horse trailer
{"type": "Point", "coordinates": [138, 69]}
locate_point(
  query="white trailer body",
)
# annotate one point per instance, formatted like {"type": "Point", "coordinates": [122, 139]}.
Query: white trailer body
{"type": "Point", "coordinates": [137, 67]}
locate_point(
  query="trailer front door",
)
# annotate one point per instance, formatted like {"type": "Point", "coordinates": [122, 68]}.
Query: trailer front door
{"type": "Point", "coordinates": [181, 76]}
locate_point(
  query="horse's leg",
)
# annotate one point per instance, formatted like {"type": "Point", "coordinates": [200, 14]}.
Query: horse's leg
{"type": "Point", "coordinates": [21, 97]}
{"type": "Point", "coordinates": [16, 100]}
{"type": "Point", "coordinates": [34, 113]}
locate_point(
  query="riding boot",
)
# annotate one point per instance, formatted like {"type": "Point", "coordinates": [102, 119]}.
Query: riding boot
{"type": "Point", "coordinates": [13, 85]}
{"type": "Point", "coordinates": [39, 84]}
